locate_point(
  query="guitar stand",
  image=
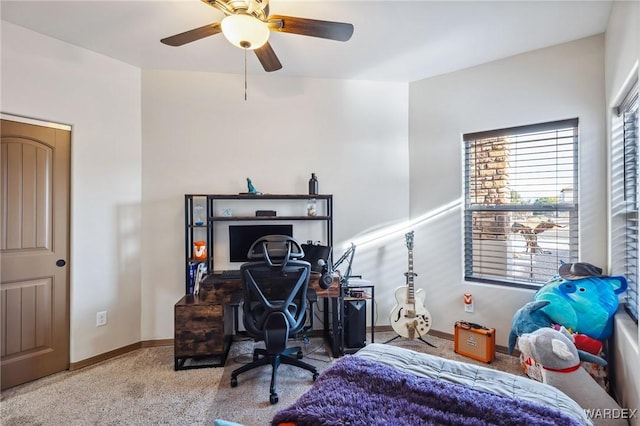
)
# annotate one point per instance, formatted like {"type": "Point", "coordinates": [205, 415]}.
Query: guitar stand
{"type": "Point", "coordinates": [419, 338]}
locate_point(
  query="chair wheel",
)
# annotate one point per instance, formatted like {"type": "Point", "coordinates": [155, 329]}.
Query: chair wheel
{"type": "Point", "coordinates": [315, 376]}
{"type": "Point", "coordinates": [234, 382]}
{"type": "Point", "coordinates": [299, 355]}
{"type": "Point", "coordinates": [273, 398]}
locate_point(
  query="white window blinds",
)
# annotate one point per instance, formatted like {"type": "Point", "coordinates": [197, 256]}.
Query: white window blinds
{"type": "Point", "coordinates": [521, 209]}
{"type": "Point", "coordinates": [624, 197]}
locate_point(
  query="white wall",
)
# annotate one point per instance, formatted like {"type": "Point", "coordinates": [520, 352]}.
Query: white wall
{"type": "Point", "coordinates": [201, 136]}
{"type": "Point", "coordinates": [622, 52]}
{"type": "Point", "coordinates": [556, 83]}
{"type": "Point", "coordinates": [46, 79]}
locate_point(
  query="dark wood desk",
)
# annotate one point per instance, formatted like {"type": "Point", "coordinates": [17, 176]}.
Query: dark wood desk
{"type": "Point", "coordinates": [203, 323]}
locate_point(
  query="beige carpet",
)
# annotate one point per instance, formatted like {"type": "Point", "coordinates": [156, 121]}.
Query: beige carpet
{"type": "Point", "coordinates": [141, 388]}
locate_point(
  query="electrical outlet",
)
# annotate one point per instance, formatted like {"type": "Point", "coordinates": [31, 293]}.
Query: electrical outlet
{"type": "Point", "coordinates": [101, 318]}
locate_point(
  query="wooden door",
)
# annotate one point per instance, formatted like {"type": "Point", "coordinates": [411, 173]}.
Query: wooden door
{"type": "Point", "coordinates": [34, 302]}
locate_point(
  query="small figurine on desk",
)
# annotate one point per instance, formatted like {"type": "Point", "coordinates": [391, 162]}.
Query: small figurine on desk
{"type": "Point", "coordinates": [251, 189]}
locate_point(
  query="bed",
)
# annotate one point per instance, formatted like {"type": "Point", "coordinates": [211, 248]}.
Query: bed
{"type": "Point", "coordinates": [388, 385]}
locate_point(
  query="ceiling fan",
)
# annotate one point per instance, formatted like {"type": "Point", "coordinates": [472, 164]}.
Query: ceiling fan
{"type": "Point", "coordinates": [247, 25]}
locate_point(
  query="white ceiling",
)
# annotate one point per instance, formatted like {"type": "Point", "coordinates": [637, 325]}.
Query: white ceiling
{"type": "Point", "coordinates": [393, 40]}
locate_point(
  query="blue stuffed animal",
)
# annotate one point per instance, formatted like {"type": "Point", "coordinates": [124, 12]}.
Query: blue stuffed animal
{"type": "Point", "coordinates": [528, 319]}
{"type": "Point", "coordinates": [584, 305]}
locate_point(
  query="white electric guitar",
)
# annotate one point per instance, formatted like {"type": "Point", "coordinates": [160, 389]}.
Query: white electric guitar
{"type": "Point", "coordinates": [409, 318]}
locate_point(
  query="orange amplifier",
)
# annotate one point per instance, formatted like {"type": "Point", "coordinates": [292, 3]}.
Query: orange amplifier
{"type": "Point", "coordinates": [475, 341]}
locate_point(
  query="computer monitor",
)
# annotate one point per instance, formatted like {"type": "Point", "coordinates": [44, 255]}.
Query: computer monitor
{"type": "Point", "coordinates": [241, 237]}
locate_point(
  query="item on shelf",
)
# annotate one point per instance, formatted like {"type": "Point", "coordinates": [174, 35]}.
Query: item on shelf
{"type": "Point", "coordinates": [198, 219]}
{"type": "Point", "coordinates": [265, 212]}
{"type": "Point", "coordinates": [311, 207]}
{"type": "Point", "coordinates": [200, 274]}
{"type": "Point", "coordinates": [313, 184]}
{"type": "Point", "coordinates": [200, 250]}
{"type": "Point", "coordinates": [227, 212]}
{"type": "Point", "coordinates": [252, 189]}
{"type": "Point", "coordinates": [193, 267]}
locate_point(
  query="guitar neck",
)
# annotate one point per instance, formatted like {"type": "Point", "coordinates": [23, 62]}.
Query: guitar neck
{"type": "Point", "coordinates": [410, 288]}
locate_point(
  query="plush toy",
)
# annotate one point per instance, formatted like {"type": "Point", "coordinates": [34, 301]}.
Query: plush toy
{"type": "Point", "coordinates": [560, 361]}
{"type": "Point", "coordinates": [584, 305]}
{"type": "Point", "coordinates": [584, 342]}
{"type": "Point", "coordinates": [528, 319]}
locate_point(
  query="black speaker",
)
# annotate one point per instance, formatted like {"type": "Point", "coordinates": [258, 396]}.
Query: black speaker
{"type": "Point", "coordinates": [355, 323]}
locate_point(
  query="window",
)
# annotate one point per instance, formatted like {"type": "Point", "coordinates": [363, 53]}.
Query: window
{"type": "Point", "coordinates": [624, 197]}
{"type": "Point", "coordinates": [521, 203]}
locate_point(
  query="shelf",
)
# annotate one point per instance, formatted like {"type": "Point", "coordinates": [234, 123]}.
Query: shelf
{"type": "Point", "coordinates": [269, 196]}
{"type": "Point", "coordinates": [252, 218]}
{"type": "Point", "coordinates": [296, 203]}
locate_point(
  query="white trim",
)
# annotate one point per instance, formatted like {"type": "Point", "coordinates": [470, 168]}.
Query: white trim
{"type": "Point", "coordinates": [626, 86]}
{"type": "Point", "coordinates": [35, 121]}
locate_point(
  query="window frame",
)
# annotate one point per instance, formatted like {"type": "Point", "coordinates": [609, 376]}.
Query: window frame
{"type": "Point", "coordinates": [625, 198]}
{"type": "Point", "coordinates": [473, 209]}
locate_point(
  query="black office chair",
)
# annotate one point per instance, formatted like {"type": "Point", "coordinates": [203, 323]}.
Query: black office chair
{"type": "Point", "coordinates": [275, 284]}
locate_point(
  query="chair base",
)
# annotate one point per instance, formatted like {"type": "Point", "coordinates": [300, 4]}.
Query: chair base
{"type": "Point", "coordinates": [261, 357]}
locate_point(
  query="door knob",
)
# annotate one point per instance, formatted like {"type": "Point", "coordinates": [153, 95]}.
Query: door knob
{"type": "Point", "coordinates": [60, 263]}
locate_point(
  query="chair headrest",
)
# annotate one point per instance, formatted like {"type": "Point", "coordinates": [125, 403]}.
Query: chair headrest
{"type": "Point", "coordinates": [275, 249]}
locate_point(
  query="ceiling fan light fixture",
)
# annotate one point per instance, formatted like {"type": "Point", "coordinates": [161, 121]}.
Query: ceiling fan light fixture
{"type": "Point", "coordinates": [245, 31]}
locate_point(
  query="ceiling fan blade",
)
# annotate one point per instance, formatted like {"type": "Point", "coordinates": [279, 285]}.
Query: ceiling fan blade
{"type": "Point", "coordinates": [192, 35]}
{"type": "Point", "coordinates": [268, 58]}
{"type": "Point", "coordinates": [311, 27]}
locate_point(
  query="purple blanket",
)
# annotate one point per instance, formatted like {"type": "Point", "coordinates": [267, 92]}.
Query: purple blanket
{"type": "Point", "coordinates": [356, 391]}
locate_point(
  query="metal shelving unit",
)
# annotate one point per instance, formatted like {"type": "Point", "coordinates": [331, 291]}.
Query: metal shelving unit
{"type": "Point", "coordinates": [211, 209]}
